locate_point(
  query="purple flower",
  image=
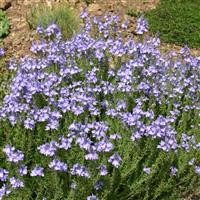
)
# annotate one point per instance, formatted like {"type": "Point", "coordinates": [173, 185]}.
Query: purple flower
{"type": "Point", "coordinates": [80, 170]}
{"type": "Point", "coordinates": [92, 197]}
{"type": "Point", "coordinates": [29, 124]}
{"type": "Point", "coordinates": [52, 124]}
{"type": "Point", "coordinates": [22, 170]}
{"type": "Point", "coordinates": [147, 170]}
{"type": "Point", "coordinates": [137, 135]}
{"type": "Point", "coordinates": [92, 155]}
{"type": "Point", "coordinates": [185, 142]}
{"type": "Point", "coordinates": [115, 160]}
{"type": "Point", "coordinates": [103, 170]}
{"type": "Point", "coordinates": [98, 185]}
{"type": "Point", "coordinates": [53, 29]}
{"type": "Point", "coordinates": [121, 105]}
{"type": "Point", "coordinates": [12, 154]}
{"type": "Point", "coordinates": [3, 174]}
{"type": "Point", "coordinates": [142, 25]}
{"type": "Point", "coordinates": [57, 165]}
{"type": "Point", "coordinates": [185, 51]}
{"type": "Point", "coordinates": [125, 24]}
{"type": "Point", "coordinates": [48, 149]}
{"type": "Point", "coordinates": [104, 146]}
{"type": "Point", "coordinates": [91, 76]}
{"type": "Point", "coordinates": [16, 183]}
{"type": "Point", "coordinates": [65, 143]}
{"type": "Point", "coordinates": [115, 137]}
{"type": "Point", "coordinates": [173, 171]}
{"type": "Point", "coordinates": [12, 65]}
{"type": "Point", "coordinates": [4, 191]}
{"type": "Point", "coordinates": [84, 15]}
{"type": "Point", "coordinates": [84, 143]}
{"type": "Point", "coordinates": [40, 29]}
{"type": "Point", "coordinates": [37, 171]}
{"type": "Point", "coordinates": [168, 144]}
{"type": "Point", "coordinates": [73, 186]}
{"type": "Point", "coordinates": [197, 170]}
{"type": "Point", "coordinates": [191, 162]}
{"type": "Point", "coordinates": [2, 52]}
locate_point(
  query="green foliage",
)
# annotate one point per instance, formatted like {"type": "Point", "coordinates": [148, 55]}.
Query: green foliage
{"type": "Point", "coordinates": [4, 25]}
{"type": "Point", "coordinates": [5, 76]}
{"type": "Point", "coordinates": [133, 13]}
{"type": "Point", "coordinates": [126, 183]}
{"type": "Point", "coordinates": [62, 15]}
{"type": "Point", "coordinates": [178, 21]}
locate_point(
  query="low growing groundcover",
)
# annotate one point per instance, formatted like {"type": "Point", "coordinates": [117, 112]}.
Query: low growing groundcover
{"type": "Point", "coordinates": [100, 117]}
{"type": "Point", "coordinates": [177, 21]}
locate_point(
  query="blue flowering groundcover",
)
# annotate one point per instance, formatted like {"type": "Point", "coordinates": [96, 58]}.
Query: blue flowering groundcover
{"type": "Point", "coordinates": [100, 116]}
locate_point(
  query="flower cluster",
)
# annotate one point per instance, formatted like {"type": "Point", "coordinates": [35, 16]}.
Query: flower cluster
{"type": "Point", "coordinates": [100, 80]}
{"type": "Point", "coordinates": [12, 154]}
{"type": "Point", "coordinates": [142, 25]}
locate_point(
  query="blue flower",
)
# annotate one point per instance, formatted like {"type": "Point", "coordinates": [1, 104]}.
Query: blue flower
{"type": "Point", "coordinates": [115, 160]}
{"type": "Point", "coordinates": [3, 174]}
{"type": "Point", "coordinates": [37, 171]}
{"type": "Point", "coordinates": [57, 165]}
{"type": "Point", "coordinates": [147, 170]}
{"type": "Point", "coordinates": [142, 25]}
{"type": "Point", "coordinates": [16, 183]}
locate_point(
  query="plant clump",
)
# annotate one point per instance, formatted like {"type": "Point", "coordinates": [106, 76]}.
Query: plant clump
{"type": "Point", "coordinates": [177, 21]}
{"type": "Point", "coordinates": [102, 117]}
{"type": "Point", "coordinates": [62, 15]}
{"type": "Point", "coordinates": [4, 25]}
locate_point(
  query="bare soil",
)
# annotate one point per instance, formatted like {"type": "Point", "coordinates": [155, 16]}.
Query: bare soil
{"type": "Point", "coordinates": [18, 42]}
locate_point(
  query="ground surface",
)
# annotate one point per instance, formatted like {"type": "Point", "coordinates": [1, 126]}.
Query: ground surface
{"type": "Point", "coordinates": [18, 42]}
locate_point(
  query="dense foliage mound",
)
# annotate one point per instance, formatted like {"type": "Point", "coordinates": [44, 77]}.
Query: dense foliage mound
{"type": "Point", "coordinates": [178, 21]}
{"type": "Point", "coordinates": [101, 117]}
{"type": "Point", "coordinates": [61, 14]}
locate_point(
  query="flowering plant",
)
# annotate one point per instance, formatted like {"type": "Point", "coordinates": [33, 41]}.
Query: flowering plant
{"type": "Point", "coordinates": [100, 116]}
